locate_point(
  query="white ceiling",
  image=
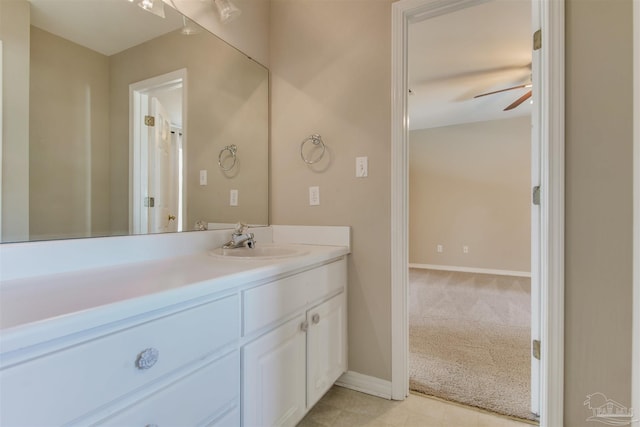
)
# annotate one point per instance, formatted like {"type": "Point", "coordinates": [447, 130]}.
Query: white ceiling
{"type": "Point", "coordinates": [455, 56]}
{"type": "Point", "coordinates": [106, 26]}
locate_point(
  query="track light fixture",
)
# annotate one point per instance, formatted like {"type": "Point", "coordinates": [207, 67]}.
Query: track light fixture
{"type": "Point", "coordinates": [189, 27]}
{"type": "Point", "coordinates": [227, 10]}
{"type": "Point", "coordinates": [154, 6]}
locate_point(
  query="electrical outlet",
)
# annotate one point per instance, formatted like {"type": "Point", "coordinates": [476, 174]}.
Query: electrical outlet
{"type": "Point", "coordinates": [362, 169]}
{"type": "Point", "coordinates": [233, 198]}
{"type": "Point", "coordinates": [439, 249]}
{"type": "Point", "coordinates": [465, 249]}
{"type": "Point", "coordinates": [314, 196]}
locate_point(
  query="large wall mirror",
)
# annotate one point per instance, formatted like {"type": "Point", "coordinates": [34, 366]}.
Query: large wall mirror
{"type": "Point", "coordinates": [131, 123]}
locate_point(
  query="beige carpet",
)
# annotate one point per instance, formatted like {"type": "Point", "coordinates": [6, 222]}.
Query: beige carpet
{"type": "Point", "coordinates": [469, 339]}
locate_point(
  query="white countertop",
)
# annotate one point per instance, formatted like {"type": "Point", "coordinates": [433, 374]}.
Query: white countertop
{"type": "Point", "coordinates": [60, 304]}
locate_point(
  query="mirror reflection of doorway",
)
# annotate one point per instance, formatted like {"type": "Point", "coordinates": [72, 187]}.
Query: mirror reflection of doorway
{"type": "Point", "coordinates": [157, 154]}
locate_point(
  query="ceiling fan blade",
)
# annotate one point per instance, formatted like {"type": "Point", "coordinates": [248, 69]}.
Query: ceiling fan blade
{"type": "Point", "coordinates": [504, 90]}
{"type": "Point", "coordinates": [518, 101]}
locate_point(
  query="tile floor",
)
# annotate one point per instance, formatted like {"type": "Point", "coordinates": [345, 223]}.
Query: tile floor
{"type": "Point", "coordinates": [341, 407]}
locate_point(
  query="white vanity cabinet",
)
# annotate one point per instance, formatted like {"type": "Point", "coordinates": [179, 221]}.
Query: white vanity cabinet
{"type": "Point", "coordinates": [149, 370]}
{"type": "Point", "coordinates": [204, 342]}
{"type": "Point", "coordinates": [295, 335]}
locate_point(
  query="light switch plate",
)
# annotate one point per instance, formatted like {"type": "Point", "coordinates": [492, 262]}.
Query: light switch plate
{"type": "Point", "coordinates": [233, 198]}
{"type": "Point", "coordinates": [203, 177]}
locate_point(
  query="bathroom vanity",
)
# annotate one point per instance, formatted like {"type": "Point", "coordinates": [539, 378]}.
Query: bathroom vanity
{"type": "Point", "coordinates": [198, 339]}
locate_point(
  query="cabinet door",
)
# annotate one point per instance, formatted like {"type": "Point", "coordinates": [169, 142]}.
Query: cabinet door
{"type": "Point", "coordinates": [274, 377]}
{"type": "Point", "coordinates": [326, 346]}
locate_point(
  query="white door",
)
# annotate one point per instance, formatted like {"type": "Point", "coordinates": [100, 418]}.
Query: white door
{"type": "Point", "coordinates": [157, 156]}
{"type": "Point", "coordinates": [536, 247]}
{"type": "Point", "coordinates": [162, 177]}
{"type": "Point", "coordinates": [326, 346]}
{"type": "Point", "coordinates": [275, 377]}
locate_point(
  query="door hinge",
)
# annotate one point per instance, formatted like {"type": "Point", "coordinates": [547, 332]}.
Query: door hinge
{"type": "Point", "coordinates": [536, 195]}
{"type": "Point", "coordinates": [537, 40]}
{"type": "Point", "coordinates": [535, 349]}
{"type": "Point", "coordinates": [149, 120]}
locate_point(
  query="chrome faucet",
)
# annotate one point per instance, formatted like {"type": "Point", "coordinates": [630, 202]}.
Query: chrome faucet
{"type": "Point", "coordinates": [240, 238]}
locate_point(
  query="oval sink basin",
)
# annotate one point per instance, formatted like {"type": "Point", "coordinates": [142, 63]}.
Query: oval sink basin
{"type": "Point", "coordinates": [259, 252]}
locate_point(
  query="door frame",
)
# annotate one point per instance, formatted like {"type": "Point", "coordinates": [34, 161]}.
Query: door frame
{"type": "Point", "coordinates": [635, 384]}
{"type": "Point", "coordinates": [1, 134]}
{"type": "Point", "coordinates": [551, 130]}
{"type": "Point", "coordinates": [138, 108]}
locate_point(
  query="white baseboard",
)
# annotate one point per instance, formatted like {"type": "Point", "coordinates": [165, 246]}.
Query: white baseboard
{"type": "Point", "coordinates": [365, 384]}
{"type": "Point", "coordinates": [472, 270]}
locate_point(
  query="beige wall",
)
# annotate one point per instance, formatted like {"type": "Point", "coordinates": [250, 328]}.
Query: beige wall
{"type": "Point", "coordinates": [227, 99]}
{"type": "Point", "coordinates": [14, 33]}
{"type": "Point", "coordinates": [330, 66]}
{"type": "Point", "coordinates": [599, 144]}
{"type": "Point", "coordinates": [69, 139]}
{"type": "Point", "coordinates": [469, 185]}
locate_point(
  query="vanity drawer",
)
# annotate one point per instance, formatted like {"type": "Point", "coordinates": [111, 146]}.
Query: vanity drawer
{"type": "Point", "coordinates": [268, 303]}
{"type": "Point", "coordinates": [62, 386]}
{"type": "Point", "coordinates": [327, 280]}
{"type": "Point", "coordinates": [201, 396]}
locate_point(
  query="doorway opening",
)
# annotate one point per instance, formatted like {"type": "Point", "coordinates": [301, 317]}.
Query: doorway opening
{"type": "Point", "coordinates": [157, 154]}
{"type": "Point", "coordinates": [470, 207]}
{"type": "Point", "coordinates": [548, 80]}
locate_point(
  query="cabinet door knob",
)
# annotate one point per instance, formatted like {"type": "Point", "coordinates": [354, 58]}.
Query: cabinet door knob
{"type": "Point", "coordinates": [147, 358]}
{"type": "Point", "coordinates": [315, 319]}
{"type": "Point", "coordinates": [304, 326]}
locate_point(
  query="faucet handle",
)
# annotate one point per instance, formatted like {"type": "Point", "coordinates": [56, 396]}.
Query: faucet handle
{"type": "Point", "coordinates": [240, 228]}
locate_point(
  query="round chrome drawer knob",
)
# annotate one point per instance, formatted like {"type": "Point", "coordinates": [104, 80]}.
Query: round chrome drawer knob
{"type": "Point", "coordinates": [147, 358]}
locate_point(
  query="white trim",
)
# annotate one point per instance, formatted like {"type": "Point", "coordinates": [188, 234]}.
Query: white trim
{"type": "Point", "coordinates": [365, 384]}
{"type": "Point", "coordinates": [399, 208]}
{"type": "Point", "coordinates": [536, 212]}
{"type": "Point", "coordinates": [1, 133]}
{"type": "Point", "coordinates": [552, 201]}
{"type": "Point", "coordinates": [476, 270]}
{"type": "Point", "coordinates": [635, 365]}
{"type": "Point", "coordinates": [552, 214]}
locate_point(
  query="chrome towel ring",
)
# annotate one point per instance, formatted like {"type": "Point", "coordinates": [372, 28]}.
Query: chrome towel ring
{"type": "Point", "coordinates": [232, 149]}
{"type": "Point", "coordinates": [316, 140]}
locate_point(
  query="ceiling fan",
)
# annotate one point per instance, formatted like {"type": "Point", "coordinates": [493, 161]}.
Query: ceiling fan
{"type": "Point", "coordinates": [515, 103]}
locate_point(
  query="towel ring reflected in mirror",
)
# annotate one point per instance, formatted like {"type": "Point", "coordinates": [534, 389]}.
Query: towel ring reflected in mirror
{"type": "Point", "coordinates": [223, 159]}
{"type": "Point", "coordinates": [318, 144]}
